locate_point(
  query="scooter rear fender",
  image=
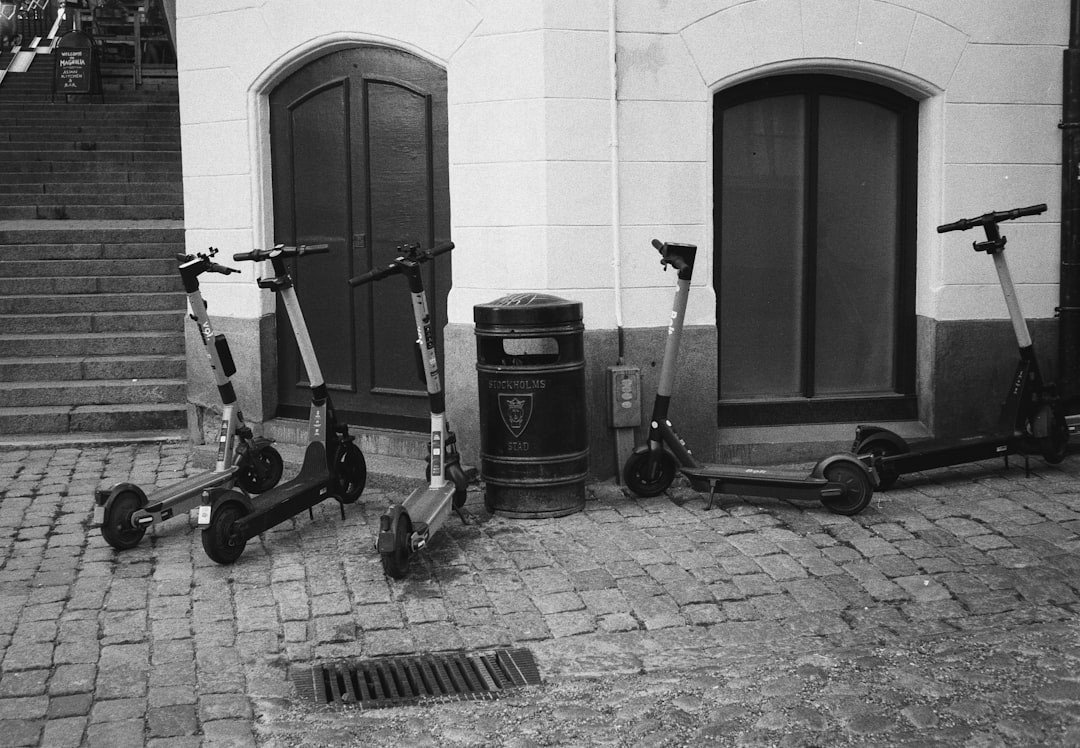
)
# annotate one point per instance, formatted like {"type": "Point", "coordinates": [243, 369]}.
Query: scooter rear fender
{"type": "Point", "coordinates": [102, 496]}
{"type": "Point", "coordinates": [221, 497]}
{"type": "Point", "coordinates": [824, 464]}
{"type": "Point", "coordinates": [1042, 424]}
{"type": "Point", "coordinates": [865, 433]}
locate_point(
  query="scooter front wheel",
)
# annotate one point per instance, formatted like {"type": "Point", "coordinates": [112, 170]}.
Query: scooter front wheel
{"type": "Point", "coordinates": [352, 472]}
{"type": "Point", "coordinates": [646, 477]}
{"type": "Point", "coordinates": [395, 560]}
{"type": "Point", "coordinates": [117, 528]}
{"type": "Point", "coordinates": [260, 471]}
{"type": "Point", "coordinates": [222, 545]}
{"type": "Point", "coordinates": [858, 489]}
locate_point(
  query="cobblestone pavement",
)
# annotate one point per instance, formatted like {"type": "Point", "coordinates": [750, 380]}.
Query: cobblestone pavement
{"type": "Point", "coordinates": [944, 614]}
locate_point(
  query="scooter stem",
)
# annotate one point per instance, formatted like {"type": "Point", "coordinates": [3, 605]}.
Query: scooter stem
{"type": "Point", "coordinates": [1019, 323]}
{"type": "Point", "coordinates": [675, 329]}
{"type": "Point", "coordinates": [303, 337]}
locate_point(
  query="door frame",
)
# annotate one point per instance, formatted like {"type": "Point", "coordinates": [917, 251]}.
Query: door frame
{"type": "Point", "coordinates": [261, 180]}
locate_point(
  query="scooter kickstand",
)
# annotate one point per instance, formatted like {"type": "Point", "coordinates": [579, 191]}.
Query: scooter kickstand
{"type": "Point", "coordinates": [712, 495]}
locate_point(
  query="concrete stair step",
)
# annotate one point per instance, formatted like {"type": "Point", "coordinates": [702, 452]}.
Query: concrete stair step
{"type": "Point", "coordinates": [111, 198]}
{"type": "Point", "coordinates": [15, 166]}
{"type": "Point", "coordinates": [93, 232]}
{"type": "Point", "coordinates": [93, 392]}
{"type": "Point", "coordinates": [87, 285]}
{"type": "Point", "coordinates": [66, 368]}
{"type": "Point", "coordinates": [119, 212]}
{"type": "Point", "coordinates": [90, 303]}
{"type": "Point", "coordinates": [61, 419]}
{"type": "Point", "coordinates": [129, 110]}
{"type": "Point", "coordinates": [166, 188]}
{"type": "Point", "coordinates": [113, 179]}
{"type": "Point", "coordinates": [153, 342]}
{"type": "Point", "coordinates": [110, 120]}
{"type": "Point", "coordinates": [76, 160]}
{"type": "Point", "coordinates": [102, 322]}
{"type": "Point", "coordinates": [48, 129]}
{"type": "Point", "coordinates": [84, 144]}
{"type": "Point", "coordinates": [87, 268]}
{"type": "Point", "coordinates": [103, 251]}
{"type": "Point", "coordinates": [395, 459]}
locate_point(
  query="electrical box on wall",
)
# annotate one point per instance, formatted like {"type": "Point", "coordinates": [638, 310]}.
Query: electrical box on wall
{"type": "Point", "coordinates": [624, 396]}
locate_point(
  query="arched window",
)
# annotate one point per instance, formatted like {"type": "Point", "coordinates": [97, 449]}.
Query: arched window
{"type": "Point", "coordinates": [814, 258]}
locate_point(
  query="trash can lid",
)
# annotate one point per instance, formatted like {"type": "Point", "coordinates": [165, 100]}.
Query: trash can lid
{"type": "Point", "coordinates": [527, 309]}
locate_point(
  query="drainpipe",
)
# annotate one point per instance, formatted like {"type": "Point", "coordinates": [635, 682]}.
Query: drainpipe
{"type": "Point", "coordinates": [613, 125]}
{"type": "Point", "coordinates": [623, 382]}
{"type": "Point", "coordinates": [1069, 284]}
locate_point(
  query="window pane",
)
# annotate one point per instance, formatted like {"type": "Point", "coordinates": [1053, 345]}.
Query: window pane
{"type": "Point", "coordinates": [761, 248]}
{"type": "Point", "coordinates": [857, 247]}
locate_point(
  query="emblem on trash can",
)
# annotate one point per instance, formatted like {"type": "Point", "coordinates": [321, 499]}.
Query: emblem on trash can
{"type": "Point", "coordinates": [516, 410]}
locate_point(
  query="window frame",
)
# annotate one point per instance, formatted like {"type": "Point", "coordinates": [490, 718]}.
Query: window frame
{"type": "Point", "coordinates": [902, 404]}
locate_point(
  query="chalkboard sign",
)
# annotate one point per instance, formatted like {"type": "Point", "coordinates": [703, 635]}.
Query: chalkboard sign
{"type": "Point", "coordinates": [76, 68]}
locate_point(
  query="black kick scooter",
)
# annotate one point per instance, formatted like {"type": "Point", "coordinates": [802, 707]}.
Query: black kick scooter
{"type": "Point", "coordinates": [408, 527]}
{"type": "Point", "coordinates": [124, 511]}
{"type": "Point", "coordinates": [333, 464]}
{"type": "Point", "coordinates": [841, 482]}
{"type": "Point", "coordinates": [1030, 421]}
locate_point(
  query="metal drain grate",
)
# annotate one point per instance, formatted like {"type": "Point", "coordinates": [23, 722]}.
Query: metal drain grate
{"type": "Point", "coordinates": [396, 681]}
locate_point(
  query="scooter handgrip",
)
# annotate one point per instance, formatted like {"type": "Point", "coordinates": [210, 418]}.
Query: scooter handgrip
{"type": "Point", "coordinates": [961, 225]}
{"type": "Point", "coordinates": [310, 249]}
{"type": "Point", "coordinates": [371, 275]}
{"type": "Point", "coordinates": [254, 256]}
{"type": "Point", "coordinates": [439, 249]}
{"type": "Point", "coordinates": [213, 267]}
{"type": "Point", "coordinates": [1031, 210]}
{"type": "Point", "coordinates": [659, 245]}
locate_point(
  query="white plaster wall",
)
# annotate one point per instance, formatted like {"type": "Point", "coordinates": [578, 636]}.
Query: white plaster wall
{"type": "Point", "coordinates": [230, 54]}
{"type": "Point", "coordinates": [531, 166]}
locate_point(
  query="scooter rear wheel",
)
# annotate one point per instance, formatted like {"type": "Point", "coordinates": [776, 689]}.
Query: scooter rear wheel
{"type": "Point", "coordinates": [260, 471]}
{"type": "Point", "coordinates": [396, 561]}
{"type": "Point", "coordinates": [352, 472]}
{"type": "Point", "coordinates": [219, 541]}
{"type": "Point", "coordinates": [858, 489]}
{"type": "Point", "coordinates": [645, 479]}
{"type": "Point", "coordinates": [117, 528]}
{"type": "Point", "coordinates": [1055, 445]}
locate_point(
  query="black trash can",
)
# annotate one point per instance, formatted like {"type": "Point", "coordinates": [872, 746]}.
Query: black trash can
{"type": "Point", "coordinates": [530, 363]}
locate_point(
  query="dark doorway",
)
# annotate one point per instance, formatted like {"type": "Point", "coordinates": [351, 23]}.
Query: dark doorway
{"type": "Point", "coordinates": [815, 251]}
{"type": "Point", "coordinates": [359, 155]}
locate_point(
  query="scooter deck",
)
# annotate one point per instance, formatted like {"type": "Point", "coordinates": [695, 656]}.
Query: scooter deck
{"type": "Point", "coordinates": [190, 489]}
{"type": "Point", "coordinates": [288, 499]}
{"type": "Point", "coordinates": [756, 481]}
{"type": "Point", "coordinates": [430, 506]}
{"type": "Point", "coordinates": [936, 453]}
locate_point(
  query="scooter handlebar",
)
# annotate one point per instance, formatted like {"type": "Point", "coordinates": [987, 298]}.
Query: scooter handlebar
{"type": "Point", "coordinates": [258, 255]}
{"type": "Point", "coordinates": [682, 260]}
{"type": "Point", "coordinates": [204, 263]}
{"type": "Point", "coordinates": [996, 216]}
{"type": "Point", "coordinates": [414, 255]}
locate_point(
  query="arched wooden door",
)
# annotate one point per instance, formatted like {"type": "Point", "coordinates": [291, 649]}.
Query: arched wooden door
{"type": "Point", "coordinates": [359, 157]}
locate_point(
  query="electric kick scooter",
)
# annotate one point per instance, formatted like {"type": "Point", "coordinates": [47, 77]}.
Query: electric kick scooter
{"type": "Point", "coordinates": [842, 482]}
{"type": "Point", "coordinates": [333, 464]}
{"type": "Point", "coordinates": [408, 527]}
{"type": "Point", "coordinates": [1030, 421]}
{"type": "Point", "coordinates": [124, 511]}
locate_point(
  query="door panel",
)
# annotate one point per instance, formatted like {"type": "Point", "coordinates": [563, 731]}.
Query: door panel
{"type": "Point", "coordinates": [359, 157]}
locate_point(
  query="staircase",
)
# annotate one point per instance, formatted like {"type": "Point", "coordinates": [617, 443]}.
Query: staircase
{"type": "Point", "coordinates": [91, 215]}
